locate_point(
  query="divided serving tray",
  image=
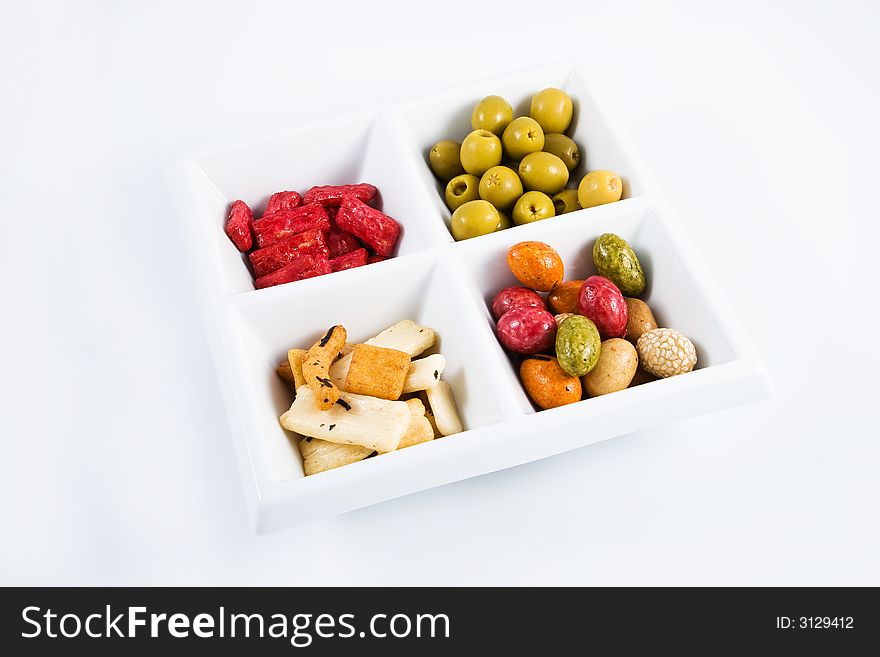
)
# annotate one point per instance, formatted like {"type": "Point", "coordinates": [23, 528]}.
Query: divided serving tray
{"type": "Point", "coordinates": [443, 284]}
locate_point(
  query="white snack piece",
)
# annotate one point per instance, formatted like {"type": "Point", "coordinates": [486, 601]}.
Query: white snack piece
{"type": "Point", "coordinates": [406, 336]}
{"type": "Point", "coordinates": [443, 407]}
{"type": "Point", "coordinates": [420, 429]}
{"type": "Point", "coordinates": [359, 420]}
{"type": "Point", "coordinates": [339, 370]}
{"type": "Point", "coordinates": [320, 455]}
{"type": "Point", "coordinates": [424, 373]}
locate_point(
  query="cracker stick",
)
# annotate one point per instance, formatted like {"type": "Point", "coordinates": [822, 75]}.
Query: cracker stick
{"type": "Point", "coordinates": [316, 367]}
{"type": "Point", "coordinates": [424, 373]}
{"type": "Point", "coordinates": [355, 420]}
{"type": "Point", "coordinates": [419, 429]}
{"type": "Point", "coordinates": [405, 336]}
{"type": "Point", "coordinates": [443, 406]}
{"type": "Point", "coordinates": [295, 361]}
{"type": "Point", "coordinates": [321, 455]}
{"type": "Point", "coordinates": [285, 372]}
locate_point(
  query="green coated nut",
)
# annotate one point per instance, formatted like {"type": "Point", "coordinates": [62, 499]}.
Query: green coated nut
{"type": "Point", "coordinates": [577, 345]}
{"type": "Point", "coordinates": [616, 261]}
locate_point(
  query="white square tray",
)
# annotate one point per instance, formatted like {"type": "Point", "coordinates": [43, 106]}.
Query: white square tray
{"type": "Point", "coordinates": [443, 284]}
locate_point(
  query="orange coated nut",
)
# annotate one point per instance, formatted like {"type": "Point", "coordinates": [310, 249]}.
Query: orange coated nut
{"type": "Point", "coordinates": [564, 297]}
{"type": "Point", "coordinates": [536, 265]}
{"type": "Point", "coordinates": [547, 383]}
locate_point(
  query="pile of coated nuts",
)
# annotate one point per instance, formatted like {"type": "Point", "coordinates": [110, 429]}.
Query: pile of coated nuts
{"type": "Point", "coordinates": [587, 337]}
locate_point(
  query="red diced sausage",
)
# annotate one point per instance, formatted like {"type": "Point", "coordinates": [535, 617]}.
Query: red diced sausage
{"type": "Point", "coordinates": [349, 260]}
{"type": "Point", "coordinates": [331, 195]}
{"type": "Point", "coordinates": [305, 266]}
{"type": "Point", "coordinates": [282, 224]}
{"type": "Point", "coordinates": [374, 228]}
{"type": "Point", "coordinates": [238, 226]}
{"type": "Point", "coordinates": [272, 258]}
{"type": "Point", "coordinates": [282, 201]}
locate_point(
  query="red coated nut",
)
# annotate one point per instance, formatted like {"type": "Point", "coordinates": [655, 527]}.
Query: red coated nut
{"type": "Point", "coordinates": [515, 297]}
{"type": "Point", "coordinates": [601, 301]}
{"type": "Point", "coordinates": [272, 258]}
{"type": "Point", "coordinates": [282, 201]}
{"type": "Point", "coordinates": [305, 266]}
{"type": "Point", "coordinates": [238, 226]}
{"type": "Point", "coordinates": [282, 224]}
{"type": "Point", "coordinates": [332, 195]}
{"type": "Point", "coordinates": [349, 260]}
{"type": "Point", "coordinates": [527, 330]}
{"type": "Point", "coordinates": [374, 228]}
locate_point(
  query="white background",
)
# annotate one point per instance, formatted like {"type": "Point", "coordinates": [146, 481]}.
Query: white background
{"type": "Point", "coordinates": [759, 119]}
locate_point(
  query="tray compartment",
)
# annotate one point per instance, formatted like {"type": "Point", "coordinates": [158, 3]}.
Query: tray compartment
{"type": "Point", "coordinates": [448, 115]}
{"type": "Point", "coordinates": [673, 298]}
{"type": "Point", "coordinates": [360, 149]}
{"type": "Point", "coordinates": [425, 290]}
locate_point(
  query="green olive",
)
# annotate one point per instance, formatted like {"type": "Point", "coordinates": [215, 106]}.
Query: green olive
{"type": "Point", "coordinates": [462, 189]}
{"type": "Point", "coordinates": [501, 187]}
{"type": "Point", "coordinates": [563, 147]}
{"type": "Point", "coordinates": [552, 109]}
{"type": "Point", "coordinates": [480, 151]}
{"type": "Point", "coordinates": [474, 218]}
{"type": "Point", "coordinates": [533, 206]}
{"type": "Point", "coordinates": [521, 137]}
{"type": "Point", "coordinates": [503, 221]}
{"type": "Point", "coordinates": [493, 113]}
{"type": "Point", "coordinates": [445, 160]}
{"type": "Point", "coordinates": [566, 201]}
{"type": "Point", "coordinates": [599, 187]}
{"type": "Point", "coordinates": [543, 172]}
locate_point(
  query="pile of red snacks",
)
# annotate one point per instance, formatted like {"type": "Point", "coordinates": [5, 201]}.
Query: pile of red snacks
{"type": "Point", "coordinates": [329, 228]}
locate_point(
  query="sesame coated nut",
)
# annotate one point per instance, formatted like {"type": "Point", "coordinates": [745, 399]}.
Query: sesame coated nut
{"type": "Point", "coordinates": [665, 352]}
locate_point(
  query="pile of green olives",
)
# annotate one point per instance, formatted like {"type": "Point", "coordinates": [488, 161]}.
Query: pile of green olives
{"type": "Point", "coordinates": [515, 170]}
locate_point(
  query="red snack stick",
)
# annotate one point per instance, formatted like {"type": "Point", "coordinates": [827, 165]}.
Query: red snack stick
{"type": "Point", "coordinates": [282, 224]}
{"type": "Point", "coordinates": [282, 201]}
{"type": "Point", "coordinates": [238, 226]}
{"type": "Point", "coordinates": [375, 229]}
{"type": "Point", "coordinates": [339, 242]}
{"type": "Point", "coordinates": [331, 195]}
{"type": "Point", "coordinates": [305, 266]}
{"type": "Point", "coordinates": [375, 258]}
{"type": "Point", "coordinates": [272, 258]}
{"type": "Point", "coordinates": [349, 260]}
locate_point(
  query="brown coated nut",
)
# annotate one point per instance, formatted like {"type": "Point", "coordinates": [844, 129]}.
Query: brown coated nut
{"type": "Point", "coordinates": [377, 372]}
{"type": "Point", "coordinates": [316, 367]}
{"type": "Point", "coordinates": [641, 377]}
{"type": "Point", "coordinates": [618, 362]}
{"type": "Point", "coordinates": [536, 265]}
{"type": "Point", "coordinates": [547, 383]}
{"type": "Point", "coordinates": [564, 297]}
{"type": "Point", "coordinates": [640, 319]}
